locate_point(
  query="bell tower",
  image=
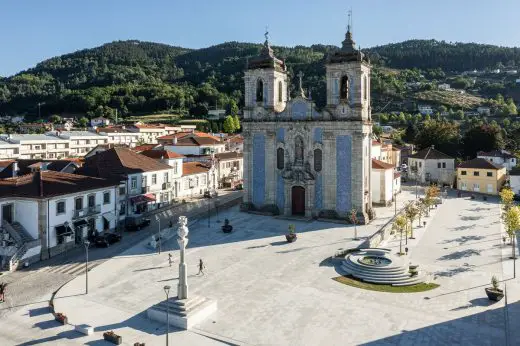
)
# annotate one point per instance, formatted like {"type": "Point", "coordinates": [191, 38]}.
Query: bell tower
{"type": "Point", "coordinates": [265, 81]}
{"type": "Point", "coordinates": [348, 80]}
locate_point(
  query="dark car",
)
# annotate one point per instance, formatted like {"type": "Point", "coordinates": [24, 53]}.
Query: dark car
{"type": "Point", "coordinates": [210, 194]}
{"type": "Point", "coordinates": [136, 223]}
{"type": "Point", "coordinates": [107, 239]}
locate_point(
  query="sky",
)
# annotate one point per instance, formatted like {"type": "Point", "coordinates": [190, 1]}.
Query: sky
{"type": "Point", "coordinates": [35, 30]}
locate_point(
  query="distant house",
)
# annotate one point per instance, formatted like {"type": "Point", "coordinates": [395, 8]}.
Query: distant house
{"type": "Point", "coordinates": [215, 114]}
{"type": "Point", "coordinates": [444, 86]}
{"type": "Point", "coordinates": [65, 126]}
{"type": "Point", "coordinates": [484, 110]}
{"type": "Point", "coordinates": [99, 121]}
{"type": "Point", "coordinates": [35, 127]}
{"type": "Point", "coordinates": [385, 182]}
{"type": "Point", "coordinates": [496, 71]}
{"type": "Point", "coordinates": [511, 72]}
{"type": "Point", "coordinates": [499, 157]}
{"type": "Point", "coordinates": [425, 109]}
{"type": "Point", "coordinates": [514, 180]}
{"type": "Point", "coordinates": [480, 175]}
{"type": "Point", "coordinates": [430, 165]}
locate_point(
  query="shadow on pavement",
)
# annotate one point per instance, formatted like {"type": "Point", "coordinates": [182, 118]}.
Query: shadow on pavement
{"type": "Point", "coordinates": [69, 334]}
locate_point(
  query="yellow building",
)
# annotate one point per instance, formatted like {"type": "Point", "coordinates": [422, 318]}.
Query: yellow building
{"type": "Point", "coordinates": [480, 175]}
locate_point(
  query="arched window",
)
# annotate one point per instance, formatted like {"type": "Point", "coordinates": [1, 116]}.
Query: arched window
{"type": "Point", "coordinates": [317, 160]}
{"type": "Point", "coordinates": [298, 150]}
{"type": "Point", "coordinates": [280, 158]}
{"type": "Point", "coordinates": [365, 88]}
{"type": "Point", "coordinates": [344, 88]}
{"type": "Point", "coordinates": [280, 91]}
{"type": "Point", "coordinates": [259, 91]}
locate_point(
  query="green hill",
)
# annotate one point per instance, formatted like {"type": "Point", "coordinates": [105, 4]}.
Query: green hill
{"type": "Point", "coordinates": [137, 77]}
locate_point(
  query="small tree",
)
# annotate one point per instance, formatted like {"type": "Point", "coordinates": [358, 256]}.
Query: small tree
{"type": "Point", "coordinates": [353, 218]}
{"type": "Point", "coordinates": [55, 119]}
{"type": "Point", "coordinates": [399, 225]}
{"type": "Point", "coordinates": [512, 222]}
{"type": "Point", "coordinates": [236, 121]}
{"type": "Point", "coordinates": [83, 122]}
{"type": "Point", "coordinates": [229, 124]}
{"type": "Point", "coordinates": [411, 213]}
{"type": "Point", "coordinates": [506, 196]}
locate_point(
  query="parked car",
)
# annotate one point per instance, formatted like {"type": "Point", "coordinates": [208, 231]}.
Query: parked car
{"type": "Point", "coordinates": [211, 194]}
{"type": "Point", "coordinates": [107, 239]}
{"type": "Point", "coordinates": [136, 223]}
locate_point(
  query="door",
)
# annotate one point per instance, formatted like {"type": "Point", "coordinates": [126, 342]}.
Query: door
{"type": "Point", "coordinates": [298, 200]}
{"type": "Point", "coordinates": [7, 213]}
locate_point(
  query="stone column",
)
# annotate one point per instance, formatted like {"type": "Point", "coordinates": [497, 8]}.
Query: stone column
{"type": "Point", "coordinates": [358, 186]}
{"type": "Point", "coordinates": [247, 165]}
{"type": "Point", "coordinates": [270, 167]}
{"type": "Point", "coordinates": [329, 170]}
{"type": "Point", "coordinates": [182, 233]}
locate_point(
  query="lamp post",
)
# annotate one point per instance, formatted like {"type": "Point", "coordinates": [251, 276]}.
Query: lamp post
{"type": "Point", "coordinates": [159, 234]}
{"type": "Point", "coordinates": [209, 212]}
{"type": "Point", "coordinates": [216, 207]}
{"type": "Point", "coordinates": [167, 291]}
{"type": "Point", "coordinates": [87, 244]}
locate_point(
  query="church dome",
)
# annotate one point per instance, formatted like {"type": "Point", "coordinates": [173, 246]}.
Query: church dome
{"type": "Point", "coordinates": [266, 59]}
{"type": "Point", "coordinates": [348, 52]}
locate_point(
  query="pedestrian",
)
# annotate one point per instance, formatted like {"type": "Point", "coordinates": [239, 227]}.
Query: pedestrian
{"type": "Point", "coordinates": [201, 267]}
{"type": "Point", "coordinates": [3, 287]}
{"type": "Point", "coordinates": [170, 259]}
{"type": "Point", "coordinates": [171, 224]}
{"type": "Point", "coordinates": [406, 250]}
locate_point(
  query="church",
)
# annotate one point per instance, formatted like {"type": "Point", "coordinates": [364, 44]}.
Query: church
{"type": "Point", "coordinates": [301, 161]}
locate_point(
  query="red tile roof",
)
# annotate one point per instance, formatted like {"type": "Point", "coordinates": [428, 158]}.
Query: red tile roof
{"type": "Point", "coordinates": [144, 147]}
{"type": "Point", "coordinates": [479, 163]}
{"type": "Point", "coordinates": [49, 184]}
{"type": "Point", "coordinates": [189, 168]}
{"type": "Point", "coordinates": [184, 134]}
{"type": "Point", "coordinates": [162, 154]}
{"type": "Point", "coordinates": [376, 164]}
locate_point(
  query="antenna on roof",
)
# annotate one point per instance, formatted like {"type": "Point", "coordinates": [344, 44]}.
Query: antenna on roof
{"type": "Point", "coordinates": [349, 26]}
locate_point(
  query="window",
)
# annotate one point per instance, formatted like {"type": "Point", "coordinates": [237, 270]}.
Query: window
{"type": "Point", "coordinates": [489, 174]}
{"type": "Point", "coordinates": [490, 188]}
{"type": "Point", "coordinates": [317, 160]}
{"type": "Point", "coordinates": [438, 165]}
{"type": "Point", "coordinates": [476, 187]}
{"type": "Point", "coordinates": [91, 200]}
{"type": "Point", "coordinates": [186, 184]}
{"type": "Point", "coordinates": [122, 190]}
{"type": "Point", "coordinates": [280, 91]}
{"type": "Point", "coordinates": [444, 165]}
{"type": "Point", "coordinates": [122, 208]}
{"type": "Point", "coordinates": [175, 167]}
{"type": "Point", "coordinates": [344, 88]}
{"type": "Point", "coordinates": [280, 158]}
{"type": "Point", "coordinates": [133, 183]}
{"type": "Point", "coordinates": [78, 203]}
{"type": "Point", "coordinates": [420, 164]}
{"type": "Point", "coordinates": [60, 207]}
{"type": "Point", "coordinates": [106, 197]}
{"type": "Point", "coordinates": [463, 186]}
{"type": "Point", "coordinates": [476, 174]}
{"type": "Point", "coordinates": [365, 88]}
{"type": "Point", "coordinates": [154, 179]}
{"type": "Point", "coordinates": [203, 180]}
{"type": "Point", "coordinates": [143, 181]}
{"type": "Point", "coordinates": [166, 178]}
{"type": "Point", "coordinates": [259, 91]}
{"type": "Point", "coordinates": [463, 173]}
{"type": "Point", "coordinates": [196, 181]}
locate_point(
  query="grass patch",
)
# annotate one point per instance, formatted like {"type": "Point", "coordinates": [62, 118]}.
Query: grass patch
{"type": "Point", "coordinates": [349, 280]}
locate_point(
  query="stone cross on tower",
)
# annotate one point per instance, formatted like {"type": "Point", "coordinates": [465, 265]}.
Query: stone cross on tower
{"type": "Point", "coordinates": [182, 233]}
{"type": "Point", "coordinates": [300, 76]}
{"type": "Point", "coordinates": [266, 33]}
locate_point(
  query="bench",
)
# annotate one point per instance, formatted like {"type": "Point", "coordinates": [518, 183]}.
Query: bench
{"type": "Point", "coordinates": [84, 329]}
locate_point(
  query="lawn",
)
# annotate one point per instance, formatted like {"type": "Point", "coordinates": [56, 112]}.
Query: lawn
{"type": "Point", "coordinates": [349, 280]}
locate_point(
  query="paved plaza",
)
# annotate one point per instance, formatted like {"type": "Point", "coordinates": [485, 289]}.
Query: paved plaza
{"type": "Point", "coordinates": [270, 292]}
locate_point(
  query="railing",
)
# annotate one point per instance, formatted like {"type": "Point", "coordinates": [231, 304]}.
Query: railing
{"type": "Point", "coordinates": [12, 232]}
{"type": "Point", "coordinates": [87, 211]}
{"type": "Point", "coordinates": [15, 258]}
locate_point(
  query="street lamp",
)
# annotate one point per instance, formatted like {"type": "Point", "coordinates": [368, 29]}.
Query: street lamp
{"type": "Point", "coordinates": [209, 211]}
{"type": "Point", "coordinates": [216, 207]}
{"type": "Point", "coordinates": [159, 233]}
{"type": "Point", "coordinates": [167, 291]}
{"type": "Point", "coordinates": [87, 244]}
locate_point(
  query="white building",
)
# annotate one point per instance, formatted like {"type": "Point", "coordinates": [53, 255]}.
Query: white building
{"type": "Point", "coordinates": [514, 180]}
{"type": "Point", "coordinates": [425, 110]}
{"type": "Point", "coordinates": [484, 110]}
{"type": "Point", "coordinates": [118, 135]}
{"type": "Point", "coordinates": [34, 146]}
{"type": "Point", "coordinates": [444, 86]}
{"type": "Point", "coordinates": [46, 212]}
{"type": "Point", "coordinates": [385, 182]}
{"type": "Point", "coordinates": [430, 165]}
{"type": "Point", "coordinates": [197, 178]}
{"type": "Point", "coordinates": [499, 157]}
{"type": "Point", "coordinates": [147, 133]}
{"type": "Point", "coordinates": [99, 121]}
{"type": "Point", "coordinates": [196, 145]}
{"type": "Point", "coordinates": [229, 167]}
{"type": "Point", "coordinates": [80, 142]}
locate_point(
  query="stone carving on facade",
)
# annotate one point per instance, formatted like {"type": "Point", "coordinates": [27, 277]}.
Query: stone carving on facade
{"type": "Point", "coordinates": [298, 173]}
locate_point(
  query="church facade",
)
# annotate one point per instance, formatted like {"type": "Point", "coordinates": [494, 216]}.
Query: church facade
{"type": "Point", "coordinates": [299, 160]}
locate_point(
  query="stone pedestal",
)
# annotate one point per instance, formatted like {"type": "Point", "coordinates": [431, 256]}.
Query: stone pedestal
{"type": "Point", "coordinates": [183, 313]}
{"type": "Point", "coordinates": [182, 287]}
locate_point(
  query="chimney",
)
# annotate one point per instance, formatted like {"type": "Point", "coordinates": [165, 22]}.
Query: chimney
{"type": "Point", "coordinates": [15, 169]}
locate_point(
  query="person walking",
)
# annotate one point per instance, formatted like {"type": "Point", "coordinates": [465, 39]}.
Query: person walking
{"type": "Point", "coordinates": [201, 267]}
{"type": "Point", "coordinates": [170, 259]}
{"type": "Point", "coordinates": [3, 287]}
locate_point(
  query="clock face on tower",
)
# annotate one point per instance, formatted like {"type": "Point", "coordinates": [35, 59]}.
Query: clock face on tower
{"type": "Point", "coordinates": [344, 110]}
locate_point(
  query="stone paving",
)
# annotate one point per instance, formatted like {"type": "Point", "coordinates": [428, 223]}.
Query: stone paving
{"type": "Point", "coordinates": [273, 293]}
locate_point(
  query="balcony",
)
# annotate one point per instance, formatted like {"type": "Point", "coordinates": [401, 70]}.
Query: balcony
{"type": "Point", "coordinates": [89, 211]}
{"type": "Point", "coordinates": [166, 186]}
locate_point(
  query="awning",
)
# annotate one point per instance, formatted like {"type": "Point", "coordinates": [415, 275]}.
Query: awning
{"type": "Point", "coordinates": [149, 197]}
{"type": "Point", "coordinates": [63, 231]}
{"type": "Point", "coordinates": [109, 217]}
{"type": "Point", "coordinates": [80, 223]}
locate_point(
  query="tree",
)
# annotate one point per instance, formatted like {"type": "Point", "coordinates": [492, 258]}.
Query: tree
{"type": "Point", "coordinates": [482, 138]}
{"type": "Point", "coordinates": [411, 213]}
{"type": "Point", "coordinates": [400, 225]}
{"type": "Point", "coordinates": [444, 136]}
{"type": "Point", "coordinates": [233, 107]}
{"type": "Point", "coordinates": [236, 122]}
{"type": "Point", "coordinates": [229, 124]}
{"type": "Point", "coordinates": [512, 222]}
{"type": "Point", "coordinates": [55, 119]}
{"type": "Point", "coordinates": [377, 130]}
{"type": "Point", "coordinates": [411, 132]}
{"type": "Point", "coordinates": [506, 197]}
{"type": "Point", "coordinates": [83, 122]}
{"type": "Point", "coordinates": [353, 218]}
{"type": "Point", "coordinates": [459, 114]}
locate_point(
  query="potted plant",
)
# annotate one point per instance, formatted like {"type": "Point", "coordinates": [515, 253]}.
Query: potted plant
{"type": "Point", "coordinates": [494, 293]}
{"type": "Point", "coordinates": [227, 228]}
{"type": "Point", "coordinates": [61, 318]}
{"type": "Point", "coordinates": [112, 337]}
{"type": "Point", "coordinates": [291, 236]}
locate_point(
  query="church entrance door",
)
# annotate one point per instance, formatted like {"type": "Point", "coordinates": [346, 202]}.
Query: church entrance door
{"type": "Point", "coordinates": [298, 200]}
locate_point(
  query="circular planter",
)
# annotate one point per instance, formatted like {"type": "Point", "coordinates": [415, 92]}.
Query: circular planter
{"type": "Point", "coordinates": [494, 294]}
{"type": "Point", "coordinates": [227, 229]}
{"type": "Point", "coordinates": [291, 238]}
